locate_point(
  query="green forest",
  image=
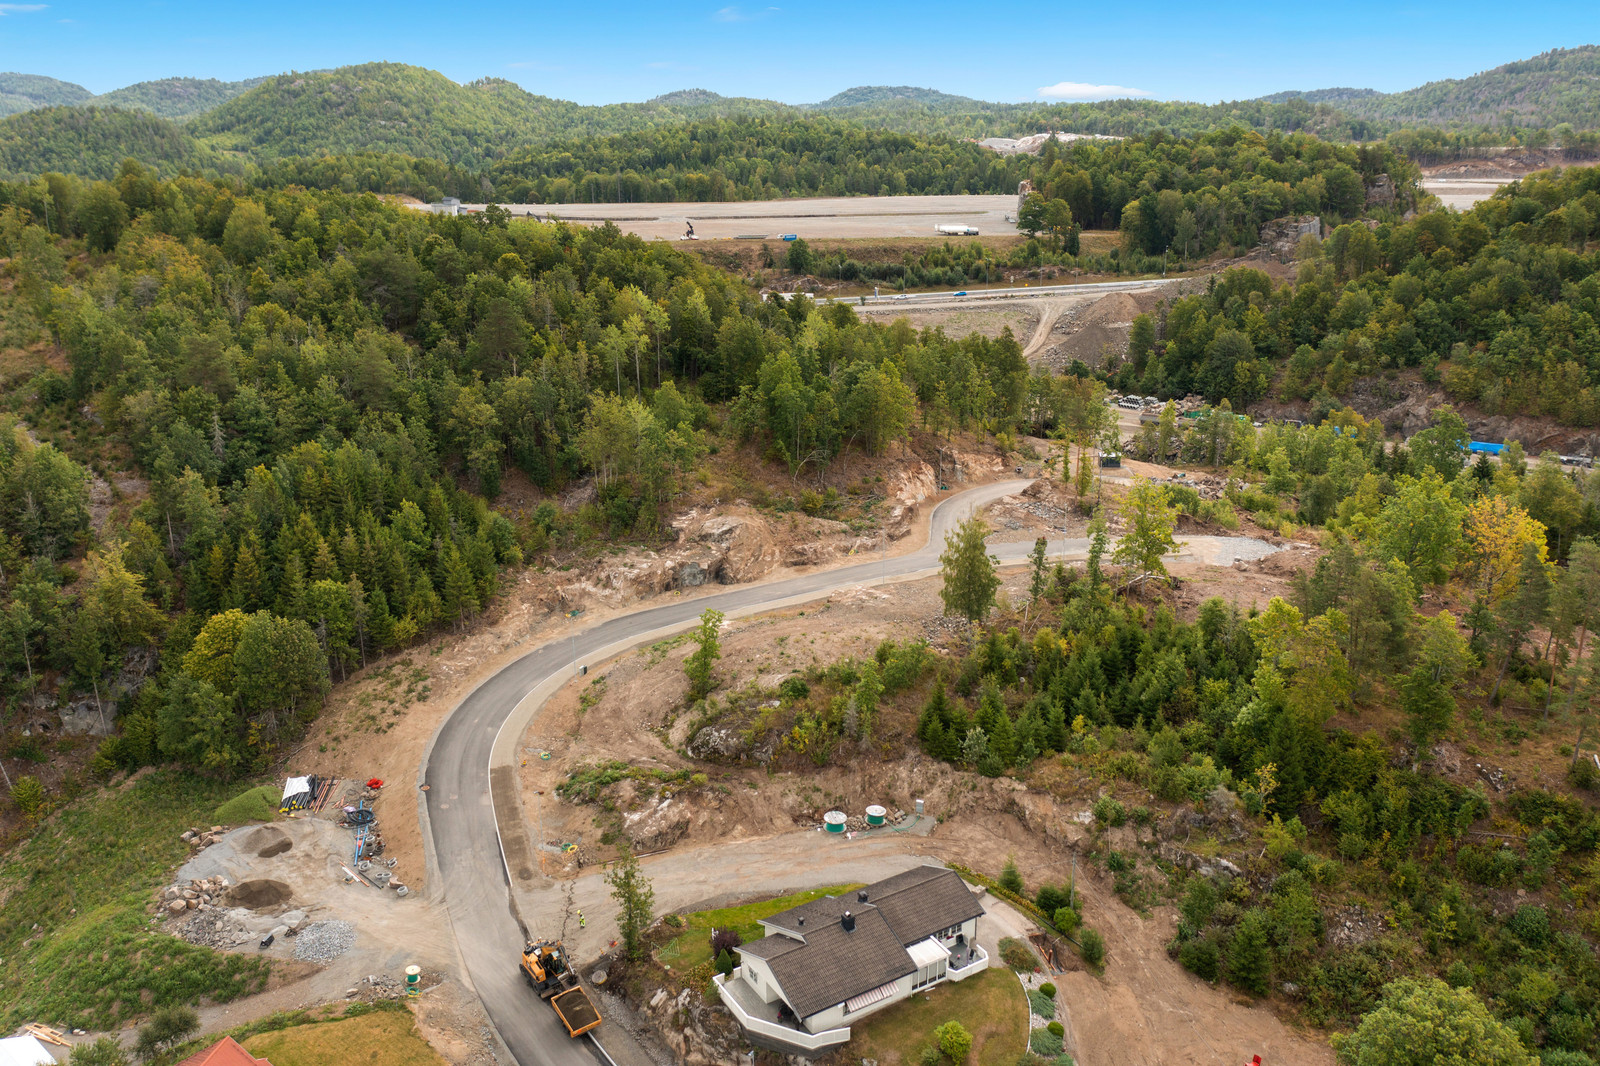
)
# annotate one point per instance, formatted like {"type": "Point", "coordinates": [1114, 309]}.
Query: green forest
{"type": "Point", "coordinates": [1500, 304]}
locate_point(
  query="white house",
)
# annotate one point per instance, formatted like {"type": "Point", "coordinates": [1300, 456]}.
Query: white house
{"type": "Point", "coordinates": [826, 963]}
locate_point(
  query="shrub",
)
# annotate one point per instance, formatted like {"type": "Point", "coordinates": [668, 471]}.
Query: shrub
{"type": "Point", "coordinates": [725, 940]}
{"type": "Point", "coordinates": [1352, 845]}
{"type": "Point", "coordinates": [1199, 903]}
{"type": "Point", "coordinates": [1459, 975]}
{"type": "Point", "coordinates": [27, 792]}
{"type": "Point", "coordinates": [1015, 954]}
{"type": "Point", "coordinates": [954, 1040]}
{"type": "Point", "coordinates": [166, 1029]}
{"type": "Point", "coordinates": [1562, 1057]}
{"type": "Point", "coordinates": [1049, 989]}
{"type": "Point", "coordinates": [1573, 1031]}
{"type": "Point", "coordinates": [1531, 924]}
{"type": "Point", "coordinates": [1044, 1042]}
{"type": "Point", "coordinates": [1041, 1004]}
{"type": "Point", "coordinates": [794, 688]}
{"type": "Point", "coordinates": [1142, 815]}
{"type": "Point", "coordinates": [1583, 774]}
{"type": "Point", "coordinates": [1092, 946]}
{"type": "Point", "coordinates": [1067, 920]}
{"type": "Point", "coordinates": [1051, 899]}
{"type": "Point", "coordinates": [1010, 879]}
{"type": "Point", "coordinates": [1109, 811]}
{"type": "Point", "coordinates": [931, 1055]}
{"type": "Point", "coordinates": [725, 962]}
{"type": "Point", "coordinates": [1200, 958]}
{"type": "Point", "coordinates": [1057, 1029]}
{"type": "Point", "coordinates": [103, 1052]}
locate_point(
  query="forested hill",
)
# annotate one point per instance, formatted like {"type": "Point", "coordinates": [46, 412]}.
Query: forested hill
{"type": "Point", "coordinates": [392, 107]}
{"type": "Point", "coordinates": [1560, 86]}
{"type": "Point", "coordinates": [898, 95]}
{"type": "Point", "coordinates": [177, 97]}
{"type": "Point", "coordinates": [91, 141]}
{"type": "Point", "coordinates": [24, 92]}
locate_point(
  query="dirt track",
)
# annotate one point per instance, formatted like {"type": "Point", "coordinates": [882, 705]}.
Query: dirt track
{"type": "Point", "coordinates": [844, 216]}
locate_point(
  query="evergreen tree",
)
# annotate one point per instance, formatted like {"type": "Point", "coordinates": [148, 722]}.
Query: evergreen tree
{"type": "Point", "coordinates": [1249, 961]}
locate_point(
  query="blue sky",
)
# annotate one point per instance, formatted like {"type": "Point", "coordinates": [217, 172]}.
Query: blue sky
{"type": "Point", "coordinates": [599, 52]}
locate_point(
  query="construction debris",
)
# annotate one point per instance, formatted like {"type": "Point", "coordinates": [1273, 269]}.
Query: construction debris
{"type": "Point", "coordinates": [46, 1034]}
{"type": "Point", "coordinates": [324, 941]}
{"type": "Point", "coordinates": [203, 838]}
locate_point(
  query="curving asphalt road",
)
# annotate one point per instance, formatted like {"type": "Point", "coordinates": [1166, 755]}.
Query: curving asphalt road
{"type": "Point", "coordinates": [477, 744]}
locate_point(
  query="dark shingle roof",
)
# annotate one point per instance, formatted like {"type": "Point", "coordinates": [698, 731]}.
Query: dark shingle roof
{"type": "Point", "coordinates": [770, 947]}
{"type": "Point", "coordinates": [920, 902]}
{"type": "Point", "coordinates": [834, 965]}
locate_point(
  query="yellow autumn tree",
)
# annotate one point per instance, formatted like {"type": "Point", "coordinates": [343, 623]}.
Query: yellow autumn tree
{"type": "Point", "coordinates": [1496, 532]}
{"type": "Point", "coordinates": [210, 658]}
{"type": "Point", "coordinates": [1302, 664]}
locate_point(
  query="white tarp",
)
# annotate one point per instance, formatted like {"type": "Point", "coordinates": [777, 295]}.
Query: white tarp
{"type": "Point", "coordinates": [24, 1051]}
{"type": "Point", "coordinates": [296, 785]}
{"type": "Point", "coordinates": [927, 952]}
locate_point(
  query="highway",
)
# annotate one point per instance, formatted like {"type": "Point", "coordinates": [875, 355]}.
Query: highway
{"type": "Point", "coordinates": [464, 819]}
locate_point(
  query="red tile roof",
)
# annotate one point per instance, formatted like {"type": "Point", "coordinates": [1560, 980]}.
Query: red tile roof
{"type": "Point", "coordinates": [225, 1052]}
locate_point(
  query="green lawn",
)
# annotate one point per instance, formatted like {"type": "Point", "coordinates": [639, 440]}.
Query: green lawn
{"type": "Point", "coordinates": [692, 947]}
{"type": "Point", "coordinates": [78, 943]}
{"type": "Point", "coordinates": [991, 1005]}
{"type": "Point", "coordinates": [382, 1038]}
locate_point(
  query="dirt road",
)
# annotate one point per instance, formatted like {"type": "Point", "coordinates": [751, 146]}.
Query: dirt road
{"type": "Point", "coordinates": [843, 216]}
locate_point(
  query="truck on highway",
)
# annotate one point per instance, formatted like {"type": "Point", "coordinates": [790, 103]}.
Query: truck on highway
{"type": "Point", "coordinates": [550, 974]}
{"type": "Point", "coordinates": [951, 230]}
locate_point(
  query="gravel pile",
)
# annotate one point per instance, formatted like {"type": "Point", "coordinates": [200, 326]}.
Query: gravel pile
{"type": "Point", "coordinates": [324, 941]}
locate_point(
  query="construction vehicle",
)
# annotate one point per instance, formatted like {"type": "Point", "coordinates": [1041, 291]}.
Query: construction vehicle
{"type": "Point", "coordinates": [547, 971]}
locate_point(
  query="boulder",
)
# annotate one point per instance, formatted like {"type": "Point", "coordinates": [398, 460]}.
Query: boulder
{"type": "Point", "coordinates": [658, 826]}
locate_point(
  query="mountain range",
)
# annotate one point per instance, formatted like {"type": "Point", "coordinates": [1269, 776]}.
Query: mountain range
{"type": "Point", "coordinates": [393, 108]}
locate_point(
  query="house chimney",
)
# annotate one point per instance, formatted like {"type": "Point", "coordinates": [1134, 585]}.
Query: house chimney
{"type": "Point", "coordinates": [848, 921]}
{"type": "Point", "coordinates": [861, 897]}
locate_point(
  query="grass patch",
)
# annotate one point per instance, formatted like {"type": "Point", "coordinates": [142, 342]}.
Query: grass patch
{"type": "Point", "coordinates": [388, 1037]}
{"type": "Point", "coordinates": [75, 934]}
{"type": "Point", "coordinates": [260, 804]}
{"type": "Point", "coordinates": [990, 1004]}
{"type": "Point", "coordinates": [693, 946]}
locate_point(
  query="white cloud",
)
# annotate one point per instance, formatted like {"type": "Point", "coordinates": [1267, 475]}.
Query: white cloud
{"type": "Point", "coordinates": [1077, 90]}
{"type": "Point", "coordinates": [20, 9]}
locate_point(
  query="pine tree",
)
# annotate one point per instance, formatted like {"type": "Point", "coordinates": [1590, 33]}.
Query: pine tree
{"type": "Point", "coordinates": [292, 589]}
{"type": "Point", "coordinates": [248, 588]}
{"type": "Point", "coordinates": [1249, 964]}
{"type": "Point", "coordinates": [1055, 727]}
{"type": "Point", "coordinates": [460, 590]}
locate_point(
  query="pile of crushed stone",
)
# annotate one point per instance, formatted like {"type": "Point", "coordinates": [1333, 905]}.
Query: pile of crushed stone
{"type": "Point", "coordinates": [324, 941]}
